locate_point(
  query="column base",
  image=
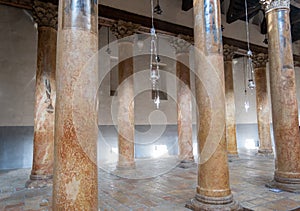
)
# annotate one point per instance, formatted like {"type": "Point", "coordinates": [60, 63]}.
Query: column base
{"type": "Point", "coordinates": [232, 157]}
{"type": "Point", "coordinates": [204, 203]}
{"type": "Point", "coordinates": [39, 181]}
{"type": "Point", "coordinates": [285, 184]}
{"type": "Point", "coordinates": [266, 152]}
{"type": "Point", "coordinates": [186, 164]}
{"type": "Point", "coordinates": [125, 165]}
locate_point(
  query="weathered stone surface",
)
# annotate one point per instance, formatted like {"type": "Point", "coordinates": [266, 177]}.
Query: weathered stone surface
{"type": "Point", "coordinates": [184, 109]}
{"type": "Point", "coordinates": [284, 101]}
{"type": "Point", "coordinates": [228, 54]}
{"type": "Point", "coordinates": [121, 30]}
{"type": "Point", "coordinates": [75, 185]}
{"type": "Point", "coordinates": [213, 176]}
{"type": "Point", "coordinates": [45, 94]}
{"type": "Point", "coordinates": [184, 99]}
{"type": "Point", "coordinates": [262, 104]}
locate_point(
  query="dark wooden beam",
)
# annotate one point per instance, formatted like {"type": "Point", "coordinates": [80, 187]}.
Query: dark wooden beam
{"type": "Point", "coordinates": [233, 15]}
{"type": "Point", "coordinates": [23, 4]}
{"type": "Point", "coordinates": [116, 14]}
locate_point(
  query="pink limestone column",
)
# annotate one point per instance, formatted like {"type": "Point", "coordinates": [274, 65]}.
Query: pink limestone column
{"type": "Point", "coordinates": [45, 15]}
{"type": "Point", "coordinates": [184, 98]}
{"type": "Point", "coordinates": [283, 97]}
{"type": "Point", "coordinates": [228, 53]}
{"type": "Point", "coordinates": [123, 30]}
{"type": "Point", "coordinates": [213, 189]}
{"type": "Point", "coordinates": [75, 184]}
{"type": "Point", "coordinates": [262, 104]}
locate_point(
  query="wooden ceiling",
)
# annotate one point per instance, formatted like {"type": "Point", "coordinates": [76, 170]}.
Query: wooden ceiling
{"type": "Point", "coordinates": [236, 11]}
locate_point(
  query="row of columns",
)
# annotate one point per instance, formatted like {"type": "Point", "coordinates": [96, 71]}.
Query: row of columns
{"type": "Point", "coordinates": [262, 102]}
{"type": "Point", "coordinates": [75, 139]}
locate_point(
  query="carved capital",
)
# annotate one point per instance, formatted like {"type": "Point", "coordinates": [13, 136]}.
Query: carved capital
{"type": "Point", "coordinates": [270, 5]}
{"type": "Point", "coordinates": [123, 29]}
{"type": "Point", "coordinates": [181, 43]}
{"type": "Point", "coordinates": [228, 52]}
{"type": "Point", "coordinates": [45, 14]}
{"type": "Point", "coordinates": [260, 60]}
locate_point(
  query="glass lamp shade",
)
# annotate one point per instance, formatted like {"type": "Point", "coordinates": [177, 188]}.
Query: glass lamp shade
{"type": "Point", "coordinates": [154, 74]}
{"type": "Point", "coordinates": [250, 72]}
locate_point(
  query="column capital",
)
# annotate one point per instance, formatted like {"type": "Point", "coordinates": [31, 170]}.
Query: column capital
{"type": "Point", "coordinates": [45, 14]}
{"type": "Point", "coordinates": [122, 29]}
{"type": "Point", "coordinates": [260, 60]}
{"type": "Point", "coordinates": [181, 43]}
{"type": "Point", "coordinates": [270, 5]}
{"type": "Point", "coordinates": [228, 52]}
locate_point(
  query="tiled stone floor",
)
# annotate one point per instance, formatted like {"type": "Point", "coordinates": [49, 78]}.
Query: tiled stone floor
{"type": "Point", "coordinates": [157, 185]}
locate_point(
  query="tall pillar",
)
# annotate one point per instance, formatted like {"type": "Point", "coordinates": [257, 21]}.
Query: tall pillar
{"type": "Point", "coordinates": [283, 97]}
{"type": "Point", "coordinates": [45, 15]}
{"type": "Point", "coordinates": [123, 30]}
{"type": "Point", "coordinates": [75, 184]}
{"type": "Point", "coordinates": [228, 53]}
{"type": "Point", "coordinates": [184, 98]}
{"type": "Point", "coordinates": [213, 189]}
{"type": "Point", "coordinates": [262, 104]}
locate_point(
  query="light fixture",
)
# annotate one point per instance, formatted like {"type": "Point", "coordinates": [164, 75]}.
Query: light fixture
{"type": "Point", "coordinates": [246, 103]}
{"type": "Point", "coordinates": [249, 67]}
{"type": "Point", "coordinates": [154, 61]}
{"type": "Point", "coordinates": [108, 51]}
{"type": "Point", "coordinates": [157, 8]}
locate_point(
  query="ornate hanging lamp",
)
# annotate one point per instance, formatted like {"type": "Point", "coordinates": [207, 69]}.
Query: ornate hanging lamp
{"type": "Point", "coordinates": [249, 65]}
{"type": "Point", "coordinates": [154, 61]}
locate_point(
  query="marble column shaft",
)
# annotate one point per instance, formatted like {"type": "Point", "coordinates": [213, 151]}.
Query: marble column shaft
{"type": "Point", "coordinates": [45, 14]}
{"type": "Point", "coordinates": [75, 185]}
{"type": "Point", "coordinates": [184, 99]}
{"type": "Point", "coordinates": [122, 30]}
{"type": "Point", "coordinates": [283, 96]}
{"type": "Point", "coordinates": [213, 189]}
{"type": "Point", "coordinates": [262, 104]}
{"type": "Point", "coordinates": [228, 53]}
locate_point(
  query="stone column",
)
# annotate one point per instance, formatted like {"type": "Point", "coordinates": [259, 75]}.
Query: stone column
{"type": "Point", "coordinates": [123, 30]}
{"type": "Point", "coordinates": [228, 53]}
{"type": "Point", "coordinates": [75, 184]}
{"type": "Point", "coordinates": [213, 189]}
{"type": "Point", "coordinates": [45, 15]}
{"type": "Point", "coordinates": [184, 98]}
{"type": "Point", "coordinates": [262, 104]}
{"type": "Point", "coordinates": [283, 97]}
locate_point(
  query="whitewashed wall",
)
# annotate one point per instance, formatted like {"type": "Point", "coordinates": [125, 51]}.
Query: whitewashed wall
{"type": "Point", "coordinates": [18, 41]}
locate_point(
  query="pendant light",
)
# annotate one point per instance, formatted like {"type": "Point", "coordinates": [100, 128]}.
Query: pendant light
{"type": "Point", "coordinates": [249, 65]}
{"type": "Point", "coordinates": [154, 61]}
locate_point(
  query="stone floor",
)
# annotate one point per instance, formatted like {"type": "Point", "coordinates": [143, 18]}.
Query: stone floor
{"type": "Point", "coordinates": [158, 184]}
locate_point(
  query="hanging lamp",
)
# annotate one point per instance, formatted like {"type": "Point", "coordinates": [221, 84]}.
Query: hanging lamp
{"type": "Point", "coordinates": [249, 65]}
{"type": "Point", "coordinates": [154, 61]}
